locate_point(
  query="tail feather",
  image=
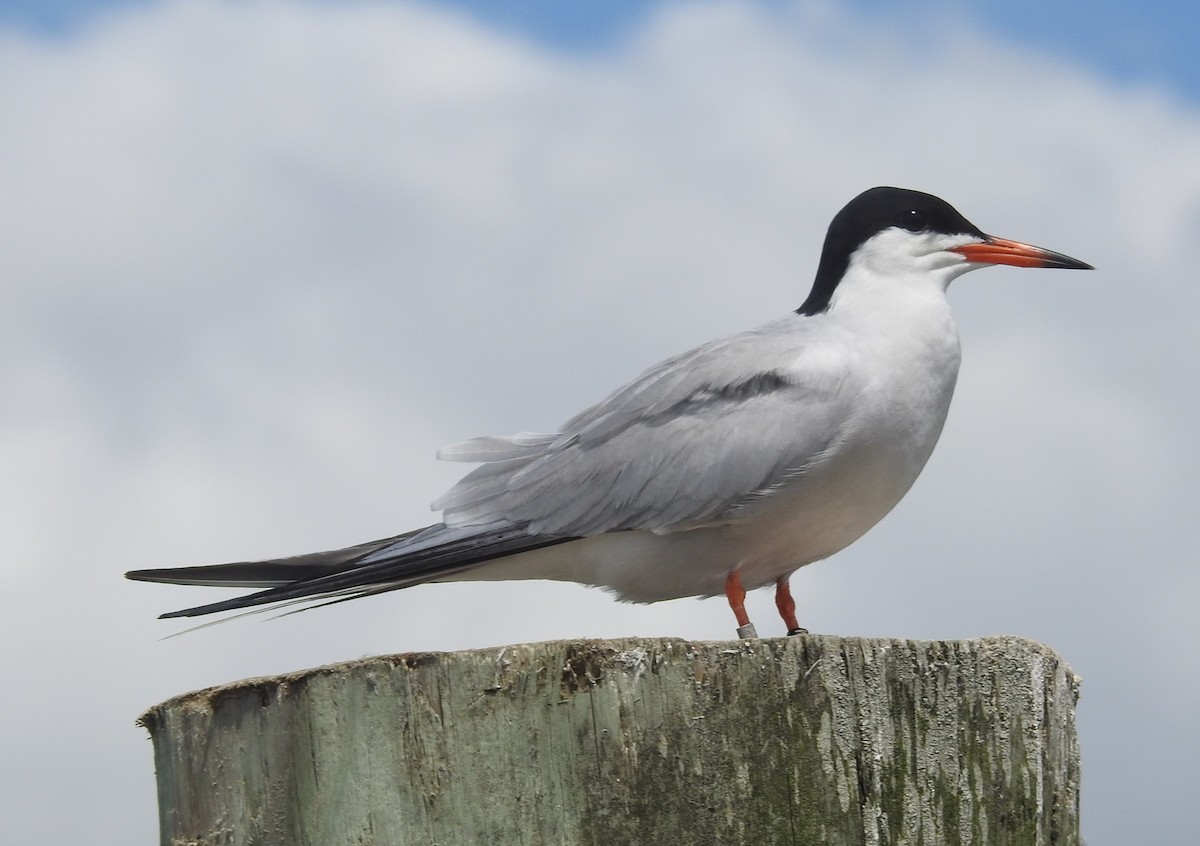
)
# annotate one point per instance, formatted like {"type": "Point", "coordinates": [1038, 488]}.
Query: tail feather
{"type": "Point", "coordinates": [374, 567]}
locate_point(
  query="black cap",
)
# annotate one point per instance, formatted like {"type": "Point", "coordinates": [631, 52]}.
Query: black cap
{"type": "Point", "coordinates": [868, 214]}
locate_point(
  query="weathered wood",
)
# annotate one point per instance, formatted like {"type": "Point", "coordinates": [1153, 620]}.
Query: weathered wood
{"type": "Point", "coordinates": [804, 740]}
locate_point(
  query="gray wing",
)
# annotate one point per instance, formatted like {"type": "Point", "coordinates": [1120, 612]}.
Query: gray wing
{"type": "Point", "coordinates": [690, 441]}
{"type": "Point", "coordinates": [412, 558]}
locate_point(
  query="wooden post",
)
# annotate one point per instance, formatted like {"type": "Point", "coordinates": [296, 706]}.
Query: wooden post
{"type": "Point", "coordinates": [804, 740]}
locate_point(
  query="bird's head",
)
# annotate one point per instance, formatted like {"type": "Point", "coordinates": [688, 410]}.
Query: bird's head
{"type": "Point", "coordinates": [909, 237]}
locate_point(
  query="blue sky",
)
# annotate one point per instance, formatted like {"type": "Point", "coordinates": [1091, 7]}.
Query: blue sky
{"type": "Point", "coordinates": [252, 251]}
{"type": "Point", "coordinates": [1134, 42]}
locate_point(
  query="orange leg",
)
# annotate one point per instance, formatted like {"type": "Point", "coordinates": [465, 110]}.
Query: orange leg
{"type": "Point", "coordinates": [785, 604]}
{"type": "Point", "coordinates": [736, 594]}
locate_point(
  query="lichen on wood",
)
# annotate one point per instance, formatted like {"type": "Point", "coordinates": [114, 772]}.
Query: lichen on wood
{"type": "Point", "coordinates": [803, 740]}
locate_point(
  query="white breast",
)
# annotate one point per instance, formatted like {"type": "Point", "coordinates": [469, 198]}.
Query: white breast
{"type": "Point", "coordinates": [906, 380]}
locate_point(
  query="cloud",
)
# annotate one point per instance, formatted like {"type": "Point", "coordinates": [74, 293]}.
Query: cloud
{"type": "Point", "coordinates": [261, 259]}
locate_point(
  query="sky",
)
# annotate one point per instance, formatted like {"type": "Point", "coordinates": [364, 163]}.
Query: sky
{"type": "Point", "coordinates": [261, 259]}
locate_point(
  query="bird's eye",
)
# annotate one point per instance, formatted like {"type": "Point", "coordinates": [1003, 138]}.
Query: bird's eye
{"type": "Point", "coordinates": [913, 220]}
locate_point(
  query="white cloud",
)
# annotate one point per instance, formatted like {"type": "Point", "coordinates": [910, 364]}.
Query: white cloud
{"type": "Point", "coordinates": [261, 259]}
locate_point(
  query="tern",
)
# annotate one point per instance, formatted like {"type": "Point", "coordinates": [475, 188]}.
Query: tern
{"type": "Point", "coordinates": [718, 471]}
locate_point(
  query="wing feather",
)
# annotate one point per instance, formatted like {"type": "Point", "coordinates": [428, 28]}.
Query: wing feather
{"type": "Point", "coordinates": [494, 448]}
{"type": "Point", "coordinates": [688, 442]}
{"type": "Point", "coordinates": [425, 555]}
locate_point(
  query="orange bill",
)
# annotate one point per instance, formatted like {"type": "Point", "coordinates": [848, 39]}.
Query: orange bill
{"type": "Point", "coordinates": [1002, 251]}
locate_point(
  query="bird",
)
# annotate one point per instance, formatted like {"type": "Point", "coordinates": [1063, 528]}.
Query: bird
{"type": "Point", "coordinates": [720, 470]}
